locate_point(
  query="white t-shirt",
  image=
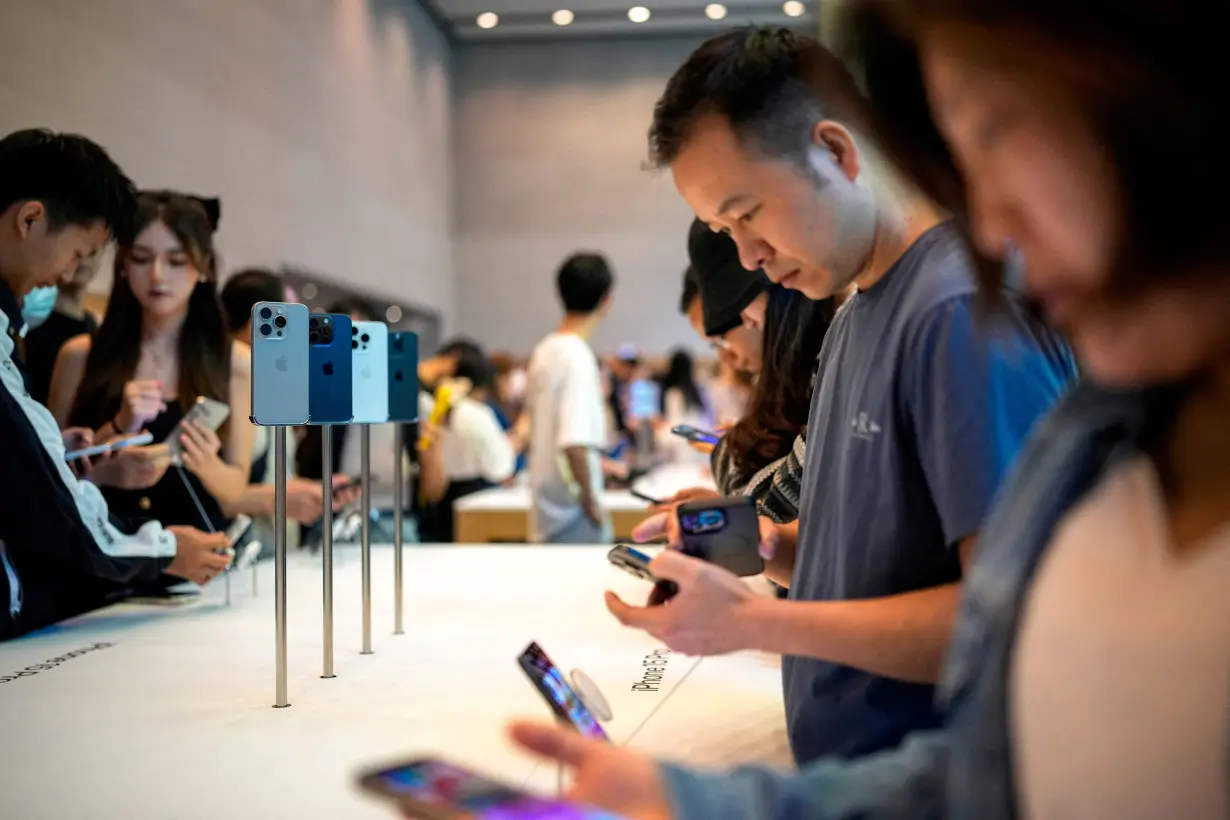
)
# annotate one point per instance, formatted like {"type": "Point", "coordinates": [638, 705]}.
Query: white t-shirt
{"type": "Point", "coordinates": [475, 446]}
{"type": "Point", "coordinates": [1122, 668]}
{"type": "Point", "coordinates": [566, 407]}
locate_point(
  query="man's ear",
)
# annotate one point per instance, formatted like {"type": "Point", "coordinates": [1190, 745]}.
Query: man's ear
{"type": "Point", "coordinates": [28, 215]}
{"type": "Point", "coordinates": [838, 143]}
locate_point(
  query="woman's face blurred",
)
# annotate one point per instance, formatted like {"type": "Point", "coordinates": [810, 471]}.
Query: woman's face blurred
{"type": "Point", "coordinates": [160, 272]}
{"type": "Point", "coordinates": [1037, 179]}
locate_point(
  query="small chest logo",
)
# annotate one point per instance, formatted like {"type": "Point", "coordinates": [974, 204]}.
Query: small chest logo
{"type": "Point", "coordinates": [863, 427]}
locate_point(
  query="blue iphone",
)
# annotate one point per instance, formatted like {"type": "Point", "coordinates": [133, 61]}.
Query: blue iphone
{"type": "Point", "coordinates": [369, 342]}
{"type": "Point", "coordinates": [331, 383]}
{"type": "Point", "coordinates": [279, 364]}
{"type": "Point", "coordinates": [404, 377]}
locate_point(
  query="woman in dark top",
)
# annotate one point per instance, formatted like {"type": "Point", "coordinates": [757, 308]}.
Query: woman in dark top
{"type": "Point", "coordinates": [162, 344]}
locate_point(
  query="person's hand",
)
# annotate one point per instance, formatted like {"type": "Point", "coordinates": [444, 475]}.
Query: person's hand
{"type": "Point", "coordinates": [605, 776]}
{"type": "Point", "coordinates": [688, 494]}
{"type": "Point", "coordinates": [347, 494]}
{"type": "Point", "coordinates": [199, 556]}
{"type": "Point", "coordinates": [78, 438]}
{"type": "Point", "coordinates": [304, 501]}
{"type": "Point", "coordinates": [704, 616]}
{"type": "Point", "coordinates": [702, 447]}
{"type": "Point", "coordinates": [429, 434]}
{"type": "Point", "coordinates": [134, 468]}
{"type": "Point", "coordinates": [141, 404]}
{"type": "Point", "coordinates": [777, 562]}
{"type": "Point", "coordinates": [589, 506]}
{"type": "Point", "coordinates": [199, 447]}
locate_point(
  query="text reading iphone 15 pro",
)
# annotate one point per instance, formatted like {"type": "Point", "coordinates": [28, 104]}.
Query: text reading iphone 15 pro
{"type": "Point", "coordinates": [404, 377]}
{"type": "Point", "coordinates": [279, 364]}
{"type": "Point", "coordinates": [369, 342]}
{"type": "Point", "coordinates": [331, 384]}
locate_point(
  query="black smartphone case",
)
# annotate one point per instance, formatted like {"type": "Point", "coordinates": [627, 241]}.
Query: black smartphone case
{"type": "Point", "coordinates": [736, 546]}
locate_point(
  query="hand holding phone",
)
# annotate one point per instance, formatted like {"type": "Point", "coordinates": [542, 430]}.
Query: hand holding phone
{"type": "Point", "coordinates": [722, 531]}
{"type": "Point", "coordinates": [108, 447]}
{"type": "Point", "coordinates": [559, 694]}
{"type": "Point", "coordinates": [636, 563]}
{"type": "Point", "coordinates": [695, 435]}
{"type": "Point", "coordinates": [199, 424]}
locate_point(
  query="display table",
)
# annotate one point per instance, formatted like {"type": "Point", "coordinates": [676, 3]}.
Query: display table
{"type": "Point", "coordinates": [166, 712]}
{"type": "Point", "coordinates": [501, 515]}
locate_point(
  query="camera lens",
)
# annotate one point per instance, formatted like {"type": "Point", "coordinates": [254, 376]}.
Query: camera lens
{"type": "Point", "coordinates": [398, 376]}
{"type": "Point", "coordinates": [266, 330]}
{"type": "Point", "coordinates": [280, 321]}
{"type": "Point", "coordinates": [266, 313]}
{"type": "Point", "coordinates": [354, 331]}
{"type": "Point", "coordinates": [354, 345]}
{"type": "Point", "coordinates": [365, 338]}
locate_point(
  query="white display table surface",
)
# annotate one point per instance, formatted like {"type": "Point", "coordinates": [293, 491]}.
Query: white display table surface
{"type": "Point", "coordinates": [170, 716]}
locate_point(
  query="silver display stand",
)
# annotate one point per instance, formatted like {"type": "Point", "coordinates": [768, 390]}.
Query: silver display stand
{"type": "Point", "coordinates": [398, 505]}
{"type": "Point", "coordinates": [365, 542]}
{"type": "Point", "coordinates": [326, 546]}
{"type": "Point", "coordinates": [279, 564]}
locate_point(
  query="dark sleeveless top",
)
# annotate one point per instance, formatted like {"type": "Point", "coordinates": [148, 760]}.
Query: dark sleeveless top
{"type": "Point", "coordinates": [168, 501]}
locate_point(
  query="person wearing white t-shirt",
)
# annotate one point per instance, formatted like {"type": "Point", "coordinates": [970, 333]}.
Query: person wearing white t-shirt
{"type": "Point", "coordinates": [568, 414]}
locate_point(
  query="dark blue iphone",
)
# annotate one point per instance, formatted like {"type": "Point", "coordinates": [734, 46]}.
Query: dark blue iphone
{"type": "Point", "coordinates": [404, 377]}
{"type": "Point", "coordinates": [330, 393]}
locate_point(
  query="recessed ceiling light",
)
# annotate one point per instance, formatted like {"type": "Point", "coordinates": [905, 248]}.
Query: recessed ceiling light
{"type": "Point", "coordinates": [793, 8]}
{"type": "Point", "coordinates": [562, 17]}
{"type": "Point", "coordinates": [393, 314]}
{"type": "Point", "coordinates": [715, 11]}
{"type": "Point", "coordinates": [638, 14]}
{"type": "Point", "coordinates": [489, 19]}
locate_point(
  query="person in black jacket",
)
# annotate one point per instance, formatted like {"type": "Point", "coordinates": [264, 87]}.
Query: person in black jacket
{"type": "Point", "coordinates": [61, 199]}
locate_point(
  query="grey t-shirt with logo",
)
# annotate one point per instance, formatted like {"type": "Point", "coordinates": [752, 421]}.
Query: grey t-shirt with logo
{"type": "Point", "coordinates": [921, 404]}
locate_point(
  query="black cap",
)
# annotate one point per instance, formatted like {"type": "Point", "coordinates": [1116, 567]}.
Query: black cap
{"type": "Point", "coordinates": [726, 287]}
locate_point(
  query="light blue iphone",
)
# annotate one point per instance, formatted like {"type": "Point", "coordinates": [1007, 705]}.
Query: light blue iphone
{"type": "Point", "coordinates": [369, 341]}
{"type": "Point", "coordinates": [280, 364]}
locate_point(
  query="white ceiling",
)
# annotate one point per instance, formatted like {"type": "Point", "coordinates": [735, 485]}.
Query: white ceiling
{"type": "Point", "coordinates": [607, 18]}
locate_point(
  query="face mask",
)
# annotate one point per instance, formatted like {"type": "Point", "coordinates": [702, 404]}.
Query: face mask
{"type": "Point", "coordinates": [38, 305]}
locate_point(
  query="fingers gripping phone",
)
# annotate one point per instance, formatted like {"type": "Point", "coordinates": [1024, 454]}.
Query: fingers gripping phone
{"type": "Point", "coordinates": [634, 562]}
{"type": "Point", "coordinates": [433, 789]}
{"type": "Point", "coordinates": [722, 531]}
{"type": "Point", "coordinates": [559, 694]}
{"type": "Point", "coordinates": [695, 435]}
{"type": "Point", "coordinates": [208, 413]}
{"type": "Point", "coordinates": [102, 449]}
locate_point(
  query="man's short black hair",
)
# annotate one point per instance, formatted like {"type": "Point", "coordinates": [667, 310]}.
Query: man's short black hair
{"type": "Point", "coordinates": [763, 81]}
{"type": "Point", "coordinates": [74, 178]}
{"type": "Point", "coordinates": [461, 346]}
{"type": "Point", "coordinates": [244, 289]}
{"type": "Point", "coordinates": [691, 291]}
{"type": "Point", "coordinates": [584, 280]}
{"type": "Point", "coordinates": [477, 368]}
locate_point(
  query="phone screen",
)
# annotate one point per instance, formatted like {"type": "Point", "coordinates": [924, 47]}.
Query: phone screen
{"type": "Point", "coordinates": [436, 785]}
{"type": "Point", "coordinates": [563, 699]}
{"type": "Point", "coordinates": [643, 399]}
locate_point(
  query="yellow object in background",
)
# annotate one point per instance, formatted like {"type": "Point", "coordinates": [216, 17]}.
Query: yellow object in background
{"type": "Point", "coordinates": [445, 395]}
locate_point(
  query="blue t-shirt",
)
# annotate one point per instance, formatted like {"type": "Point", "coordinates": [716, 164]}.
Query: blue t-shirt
{"type": "Point", "coordinates": [921, 404]}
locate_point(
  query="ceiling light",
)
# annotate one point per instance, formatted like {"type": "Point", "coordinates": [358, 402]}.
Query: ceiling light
{"type": "Point", "coordinates": [638, 14]}
{"type": "Point", "coordinates": [562, 17]}
{"type": "Point", "coordinates": [489, 19]}
{"type": "Point", "coordinates": [715, 11]}
{"type": "Point", "coordinates": [793, 8]}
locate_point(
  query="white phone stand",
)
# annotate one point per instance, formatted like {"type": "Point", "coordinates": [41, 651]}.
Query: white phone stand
{"type": "Point", "coordinates": [279, 564]}
{"type": "Point", "coordinates": [591, 695]}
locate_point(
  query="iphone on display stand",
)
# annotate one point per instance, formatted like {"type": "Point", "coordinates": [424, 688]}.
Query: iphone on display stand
{"type": "Point", "coordinates": [370, 346]}
{"type": "Point", "coordinates": [435, 789]}
{"type": "Point", "coordinates": [330, 383]}
{"type": "Point", "coordinates": [564, 701]}
{"type": "Point", "coordinates": [280, 364]}
{"type": "Point", "coordinates": [404, 377]}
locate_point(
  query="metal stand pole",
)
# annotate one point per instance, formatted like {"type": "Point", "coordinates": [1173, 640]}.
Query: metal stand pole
{"type": "Point", "coordinates": [365, 544]}
{"type": "Point", "coordinates": [279, 561]}
{"type": "Point", "coordinates": [326, 546]}
{"type": "Point", "coordinates": [397, 533]}
{"type": "Point", "coordinates": [227, 582]}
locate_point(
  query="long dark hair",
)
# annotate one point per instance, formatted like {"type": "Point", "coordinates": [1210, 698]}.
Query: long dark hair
{"type": "Point", "coordinates": [794, 330]}
{"type": "Point", "coordinates": [680, 376]}
{"type": "Point", "coordinates": [204, 343]}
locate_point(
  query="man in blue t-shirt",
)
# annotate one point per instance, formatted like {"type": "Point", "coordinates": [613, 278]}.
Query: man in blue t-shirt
{"type": "Point", "coordinates": [918, 412]}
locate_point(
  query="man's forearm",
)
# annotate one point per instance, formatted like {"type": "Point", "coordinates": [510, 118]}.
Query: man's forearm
{"type": "Point", "coordinates": [901, 636]}
{"type": "Point", "coordinates": [578, 463]}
